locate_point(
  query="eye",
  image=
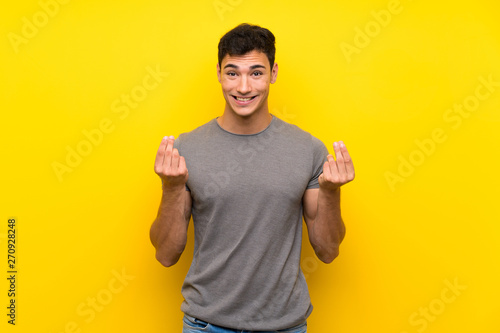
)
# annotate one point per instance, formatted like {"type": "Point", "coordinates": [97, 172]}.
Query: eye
{"type": "Point", "coordinates": [231, 73]}
{"type": "Point", "coordinates": [257, 73]}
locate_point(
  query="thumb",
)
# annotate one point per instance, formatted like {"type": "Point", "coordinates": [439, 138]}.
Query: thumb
{"type": "Point", "coordinates": [182, 165]}
{"type": "Point", "coordinates": [320, 178]}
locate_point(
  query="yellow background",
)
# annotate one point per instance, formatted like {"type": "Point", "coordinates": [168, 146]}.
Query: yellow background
{"type": "Point", "coordinates": [405, 240]}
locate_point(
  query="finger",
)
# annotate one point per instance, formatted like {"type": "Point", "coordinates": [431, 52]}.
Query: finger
{"type": "Point", "coordinates": [160, 155]}
{"type": "Point", "coordinates": [340, 162]}
{"type": "Point", "coordinates": [167, 162]}
{"type": "Point", "coordinates": [175, 160]}
{"type": "Point", "coordinates": [326, 170]}
{"type": "Point", "coordinates": [347, 161]}
{"type": "Point", "coordinates": [325, 175]}
{"type": "Point", "coordinates": [334, 172]}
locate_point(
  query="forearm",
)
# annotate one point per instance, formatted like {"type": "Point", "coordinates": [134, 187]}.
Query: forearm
{"type": "Point", "coordinates": [169, 230]}
{"type": "Point", "coordinates": [328, 228]}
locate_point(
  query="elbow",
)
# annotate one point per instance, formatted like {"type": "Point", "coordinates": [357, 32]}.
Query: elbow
{"type": "Point", "coordinates": [165, 260]}
{"type": "Point", "coordinates": [328, 257]}
{"type": "Point", "coordinates": [167, 252]}
{"type": "Point", "coordinates": [329, 251]}
{"type": "Point", "coordinates": [169, 256]}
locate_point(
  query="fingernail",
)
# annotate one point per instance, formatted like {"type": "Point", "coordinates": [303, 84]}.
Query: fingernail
{"type": "Point", "coordinates": [335, 144]}
{"type": "Point", "coordinates": [172, 137]}
{"type": "Point", "coordinates": [341, 143]}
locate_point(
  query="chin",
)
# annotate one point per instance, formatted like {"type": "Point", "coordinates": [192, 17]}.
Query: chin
{"type": "Point", "coordinates": [243, 114]}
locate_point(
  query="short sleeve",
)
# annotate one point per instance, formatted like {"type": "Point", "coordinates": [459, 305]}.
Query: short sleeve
{"type": "Point", "coordinates": [177, 144]}
{"type": "Point", "coordinates": [319, 157]}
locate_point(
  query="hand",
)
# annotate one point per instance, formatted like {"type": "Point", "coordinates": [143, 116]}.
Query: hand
{"type": "Point", "coordinates": [337, 172]}
{"type": "Point", "coordinates": [169, 165]}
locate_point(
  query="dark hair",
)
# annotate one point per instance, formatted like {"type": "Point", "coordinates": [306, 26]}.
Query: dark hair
{"type": "Point", "coordinates": [246, 38]}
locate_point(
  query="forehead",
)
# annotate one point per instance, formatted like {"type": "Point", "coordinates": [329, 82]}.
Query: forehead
{"type": "Point", "coordinates": [246, 60]}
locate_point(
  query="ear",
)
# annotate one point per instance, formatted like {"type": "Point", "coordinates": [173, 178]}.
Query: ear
{"type": "Point", "coordinates": [218, 72]}
{"type": "Point", "coordinates": [274, 73]}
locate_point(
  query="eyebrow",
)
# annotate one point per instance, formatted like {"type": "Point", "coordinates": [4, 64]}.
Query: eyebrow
{"type": "Point", "coordinates": [251, 67]}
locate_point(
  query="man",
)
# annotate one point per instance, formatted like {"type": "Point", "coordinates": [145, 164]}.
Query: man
{"type": "Point", "coordinates": [252, 177]}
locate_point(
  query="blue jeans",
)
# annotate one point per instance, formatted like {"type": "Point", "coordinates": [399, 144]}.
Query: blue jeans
{"type": "Point", "coordinates": [193, 325]}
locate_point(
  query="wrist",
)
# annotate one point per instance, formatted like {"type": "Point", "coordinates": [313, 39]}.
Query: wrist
{"type": "Point", "coordinates": [329, 191]}
{"type": "Point", "coordinates": [170, 188]}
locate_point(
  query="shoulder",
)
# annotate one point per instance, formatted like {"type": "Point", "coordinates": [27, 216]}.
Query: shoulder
{"type": "Point", "coordinates": [295, 133]}
{"type": "Point", "coordinates": [199, 133]}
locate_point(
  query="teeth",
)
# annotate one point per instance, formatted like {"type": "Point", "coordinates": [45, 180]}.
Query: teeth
{"type": "Point", "coordinates": [243, 99]}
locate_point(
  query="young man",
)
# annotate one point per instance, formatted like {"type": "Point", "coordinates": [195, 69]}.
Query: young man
{"type": "Point", "coordinates": [252, 177]}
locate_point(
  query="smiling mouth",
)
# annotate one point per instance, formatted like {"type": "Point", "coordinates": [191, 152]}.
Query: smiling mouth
{"type": "Point", "coordinates": [244, 99]}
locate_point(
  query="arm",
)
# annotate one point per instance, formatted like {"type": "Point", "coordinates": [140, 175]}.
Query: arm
{"type": "Point", "coordinates": [322, 206]}
{"type": "Point", "coordinates": [168, 232]}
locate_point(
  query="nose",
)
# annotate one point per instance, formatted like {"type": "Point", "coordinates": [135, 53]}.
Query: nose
{"type": "Point", "coordinates": [244, 85]}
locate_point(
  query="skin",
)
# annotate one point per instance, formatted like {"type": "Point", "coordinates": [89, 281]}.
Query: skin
{"type": "Point", "coordinates": [322, 206]}
{"type": "Point", "coordinates": [249, 75]}
{"type": "Point", "coordinates": [168, 232]}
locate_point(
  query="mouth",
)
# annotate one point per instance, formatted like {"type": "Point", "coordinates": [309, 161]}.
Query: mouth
{"type": "Point", "coordinates": [243, 100]}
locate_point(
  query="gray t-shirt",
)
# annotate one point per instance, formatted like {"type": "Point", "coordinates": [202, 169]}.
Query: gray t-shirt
{"type": "Point", "coordinates": [247, 211]}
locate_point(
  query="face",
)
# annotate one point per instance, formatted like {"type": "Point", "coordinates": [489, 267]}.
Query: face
{"type": "Point", "coordinates": [245, 82]}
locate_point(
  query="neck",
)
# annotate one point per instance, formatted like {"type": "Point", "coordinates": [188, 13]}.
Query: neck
{"type": "Point", "coordinates": [254, 123]}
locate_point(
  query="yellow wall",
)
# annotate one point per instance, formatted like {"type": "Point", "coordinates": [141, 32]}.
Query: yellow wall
{"type": "Point", "coordinates": [388, 77]}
